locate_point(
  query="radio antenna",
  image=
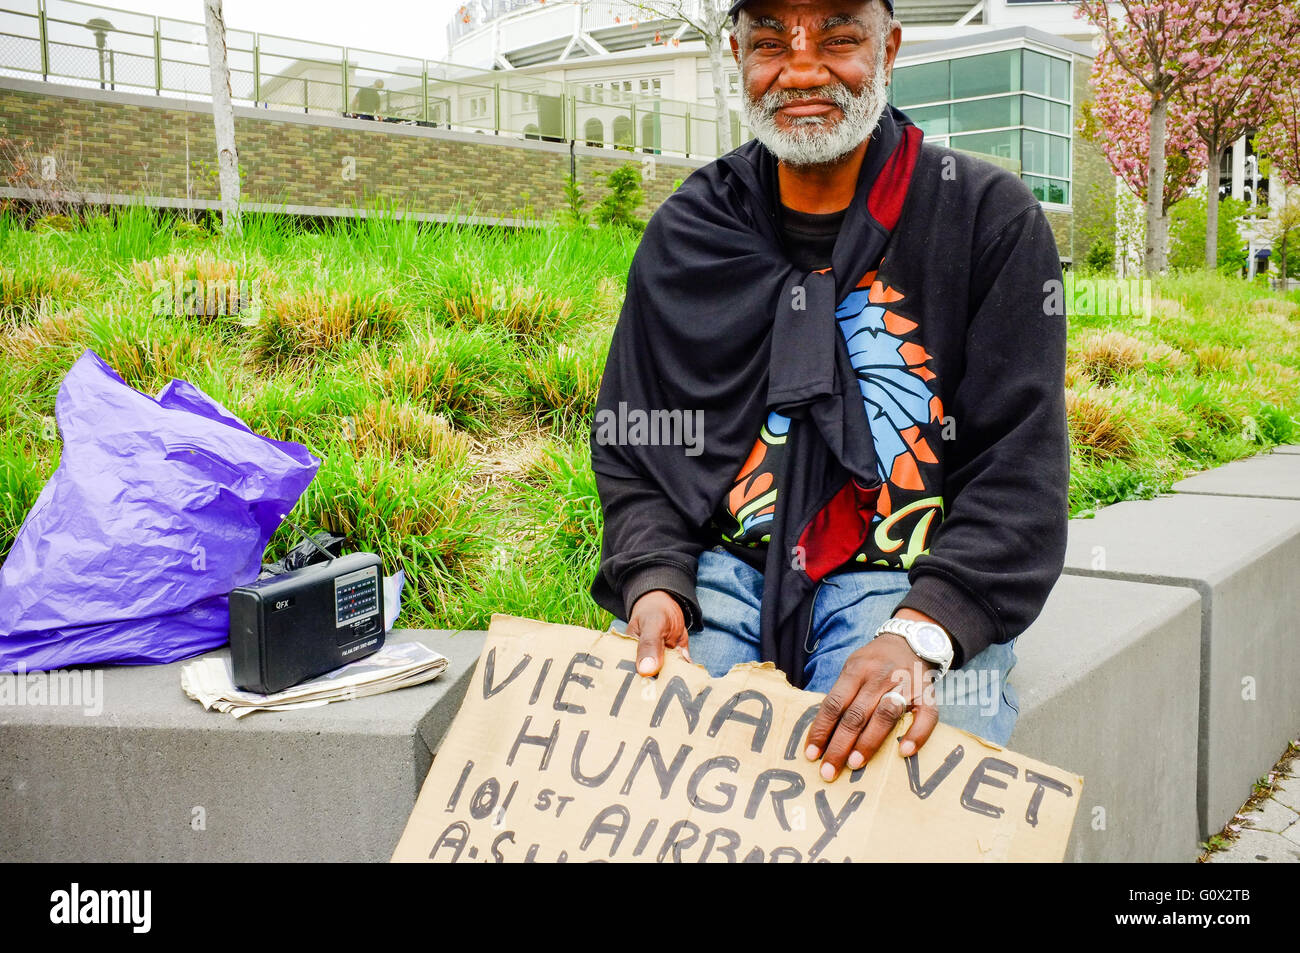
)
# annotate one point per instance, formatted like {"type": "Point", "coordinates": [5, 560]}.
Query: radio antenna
{"type": "Point", "coordinates": [301, 532]}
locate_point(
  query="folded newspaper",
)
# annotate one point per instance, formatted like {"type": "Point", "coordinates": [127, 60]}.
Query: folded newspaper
{"type": "Point", "coordinates": [209, 681]}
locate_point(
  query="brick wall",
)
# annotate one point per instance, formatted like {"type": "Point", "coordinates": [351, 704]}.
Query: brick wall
{"type": "Point", "coordinates": [125, 144]}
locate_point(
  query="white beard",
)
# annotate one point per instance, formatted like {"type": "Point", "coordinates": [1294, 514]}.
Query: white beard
{"type": "Point", "coordinates": [817, 140]}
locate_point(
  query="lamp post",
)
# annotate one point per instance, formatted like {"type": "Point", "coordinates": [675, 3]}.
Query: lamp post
{"type": "Point", "coordinates": [101, 28]}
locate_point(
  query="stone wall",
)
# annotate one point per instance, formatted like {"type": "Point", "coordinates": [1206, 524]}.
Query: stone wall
{"type": "Point", "coordinates": [120, 145]}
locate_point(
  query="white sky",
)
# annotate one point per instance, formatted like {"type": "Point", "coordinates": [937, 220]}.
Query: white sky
{"type": "Point", "coordinates": [406, 27]}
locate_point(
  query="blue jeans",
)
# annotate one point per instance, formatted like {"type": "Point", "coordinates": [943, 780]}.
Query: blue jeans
{"type": "Point", "coordinates": [848, 609]}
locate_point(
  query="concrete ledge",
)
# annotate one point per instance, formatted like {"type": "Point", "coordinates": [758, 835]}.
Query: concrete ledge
{"type": "Point", "coordinates": [335, 783]}
{"type": "Point", "coordinates": [1291, 448]}
{"type": "Point", "coordinates": [1242, 556]}
{"type": "Point", "coordinates": [1108, 680]}
{"type": "Point", "coordinates": [1273, 475]}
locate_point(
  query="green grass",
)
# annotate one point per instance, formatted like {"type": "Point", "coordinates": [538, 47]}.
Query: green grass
{"type": "Point", "coordinates": [1212, 376]}
{"type": "Point", "coordinates": [442, 373]}
{"type": "Point", "coordinates": [446, 376]}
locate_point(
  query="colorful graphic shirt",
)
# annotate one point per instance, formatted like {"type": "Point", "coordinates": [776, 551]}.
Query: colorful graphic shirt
{"type": "Point", "coordinates": [902, 406]}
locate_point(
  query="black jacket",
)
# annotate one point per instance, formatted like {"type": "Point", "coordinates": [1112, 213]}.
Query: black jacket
{"type": "Point", "coordinates": [938, 283]}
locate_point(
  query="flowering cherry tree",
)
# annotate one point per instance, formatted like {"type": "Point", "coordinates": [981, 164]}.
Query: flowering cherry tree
{"type": "Point", "coordinates": [1239, 97]}
{"type": "Point", "coordinates": [1117, 120]}
{"type": "Point", "coordinates": [1279, 139]}
{"type": "Point", "coordinates": [1166, 45]}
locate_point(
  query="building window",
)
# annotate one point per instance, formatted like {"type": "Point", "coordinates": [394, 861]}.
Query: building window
{"type": "Point", "coordinates": [623, 132]}
{"type": "Point", "coordinates": [650, 132]}
{"type": "Point", "coordinates": [982, 75]}
{"type": "Point", "coordinates": [986, 113]}
{"type": "Point", "coordinates": [1046, 155]}
{"type": "Point", "coordinates": [1048, 190]}
{"type": "Point", "coordinates": [1040, 114]}
{"type": "Point", "coordinates": [1004, 144]}
{"type": "Point", "coordinates": [932, 120]}
{"type": "Point", "coordinates": [594, 130]}
{"type": "Point", "coordinates": [1012, 104]}
{"type": "Point", "coordinates": [923, 83]}
{"type": "Point", "coordinates": [1046, 75]}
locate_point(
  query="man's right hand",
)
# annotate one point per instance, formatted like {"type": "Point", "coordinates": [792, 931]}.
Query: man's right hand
{"type": "Point", "coordinates": [656, 622]}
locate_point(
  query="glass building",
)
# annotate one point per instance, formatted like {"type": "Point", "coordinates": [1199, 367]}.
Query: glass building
{"type": "Point", "coordinates": [1015, 105]}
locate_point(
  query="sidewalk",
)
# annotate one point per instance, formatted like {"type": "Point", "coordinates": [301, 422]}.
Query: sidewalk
{"type": "Point", "coordinates": [1267, 829]}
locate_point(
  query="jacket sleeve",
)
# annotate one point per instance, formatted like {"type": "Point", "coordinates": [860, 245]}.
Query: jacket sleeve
{"type": "Point", "coordinates": [646, 545]}
{"type": "Point", "coordinates": [1001, 545]}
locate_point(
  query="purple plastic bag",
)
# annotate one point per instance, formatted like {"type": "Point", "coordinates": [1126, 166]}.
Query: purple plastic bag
{"type": "Point", "coordinates": [159, 507]}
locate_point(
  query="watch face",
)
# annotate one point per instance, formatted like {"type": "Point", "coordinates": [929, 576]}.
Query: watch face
{"type": "Point", "coordinates": [932, 640]}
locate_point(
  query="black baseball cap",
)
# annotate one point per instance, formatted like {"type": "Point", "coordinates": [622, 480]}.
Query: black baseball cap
{"type": "Point", "coordinates": [735, 8]}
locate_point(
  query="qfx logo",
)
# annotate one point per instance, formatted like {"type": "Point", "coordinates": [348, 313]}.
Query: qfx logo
{"type": "Point", "coordinates": [77, 906]}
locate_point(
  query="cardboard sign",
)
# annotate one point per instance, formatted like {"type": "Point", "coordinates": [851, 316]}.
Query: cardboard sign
{"type": "Point", "coordinates": [561, 752]}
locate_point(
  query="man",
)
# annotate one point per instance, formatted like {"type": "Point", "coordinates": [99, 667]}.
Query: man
{"type": "Point", "coordinates": [858, 321]}
{"type": "Point", "coordinates": [367, 100]}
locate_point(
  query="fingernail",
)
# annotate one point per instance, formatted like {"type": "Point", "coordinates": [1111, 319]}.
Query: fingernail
{"type": "Point", "coordinates": [646, 666]}
{"type": "Point", "coordinates": [811, 752]}
{"type": "Point", "coordinates": [828, 771]}
{"type": "Point", "coordinates": [906, 749]}
{"type": "Point", "coordinates": [856, 760]}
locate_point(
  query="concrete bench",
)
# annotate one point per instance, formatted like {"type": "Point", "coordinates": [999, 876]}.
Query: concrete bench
{"type": "Point", "coordinates": [1242, 556]}
{"type": "Point", "coordinates": [334, 783]}
{"type": "Point", "coordinates": [1164, 668]}
{"type": "Point", "coordinates": [1275, 475]}
{"type": "Point", "coordinates": [1108, 680]}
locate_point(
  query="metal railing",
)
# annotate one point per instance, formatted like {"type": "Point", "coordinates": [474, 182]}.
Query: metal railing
{"type": "Point", "coordinates": [473, 15]}
{"type": "Point", "coordinates": [102, 47]}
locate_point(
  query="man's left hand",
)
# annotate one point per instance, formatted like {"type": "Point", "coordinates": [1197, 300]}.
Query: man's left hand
{"type": "Point", "coordinates": [854, 720]}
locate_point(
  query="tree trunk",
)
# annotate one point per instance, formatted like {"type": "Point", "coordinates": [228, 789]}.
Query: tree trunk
{"type": "Point", "coordinates": [223, 115]}
{"type": "Point", "coordinates": [1212, 207]}
{"type": "Point", "coordinates": [714, 46]}
{"type": "Point", "coordinates": [1155, 257]}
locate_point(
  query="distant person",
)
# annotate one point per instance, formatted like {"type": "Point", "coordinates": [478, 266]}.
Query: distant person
{"type": "Point", "coordinates": [366, 102]}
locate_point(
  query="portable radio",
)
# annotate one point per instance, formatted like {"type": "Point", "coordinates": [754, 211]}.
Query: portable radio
{"type": "Point", "coordinates": [291, 627]}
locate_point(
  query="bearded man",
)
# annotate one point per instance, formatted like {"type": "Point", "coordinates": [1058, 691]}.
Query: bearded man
{"type": "Point", "coordinates": [858, 322]}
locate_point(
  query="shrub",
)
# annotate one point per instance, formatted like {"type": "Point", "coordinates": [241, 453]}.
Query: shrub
{"type": "Point", "coordinates": [623, 198]}
{"type": "Point", "coordinates": [297, 326]}
{"type": "Point", "coordinates": [1100, 257]}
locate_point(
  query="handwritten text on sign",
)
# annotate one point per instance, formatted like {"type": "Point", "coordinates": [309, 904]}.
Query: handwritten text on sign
{"type": "Point", "coordinates": [561, 752]}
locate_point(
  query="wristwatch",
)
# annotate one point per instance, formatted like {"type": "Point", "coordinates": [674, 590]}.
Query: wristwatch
{"type": "Point", "coordinates": [926, 639]}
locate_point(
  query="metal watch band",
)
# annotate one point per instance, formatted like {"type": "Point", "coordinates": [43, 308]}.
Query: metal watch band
{"type": "Point", "coordinates": [906, 628]}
